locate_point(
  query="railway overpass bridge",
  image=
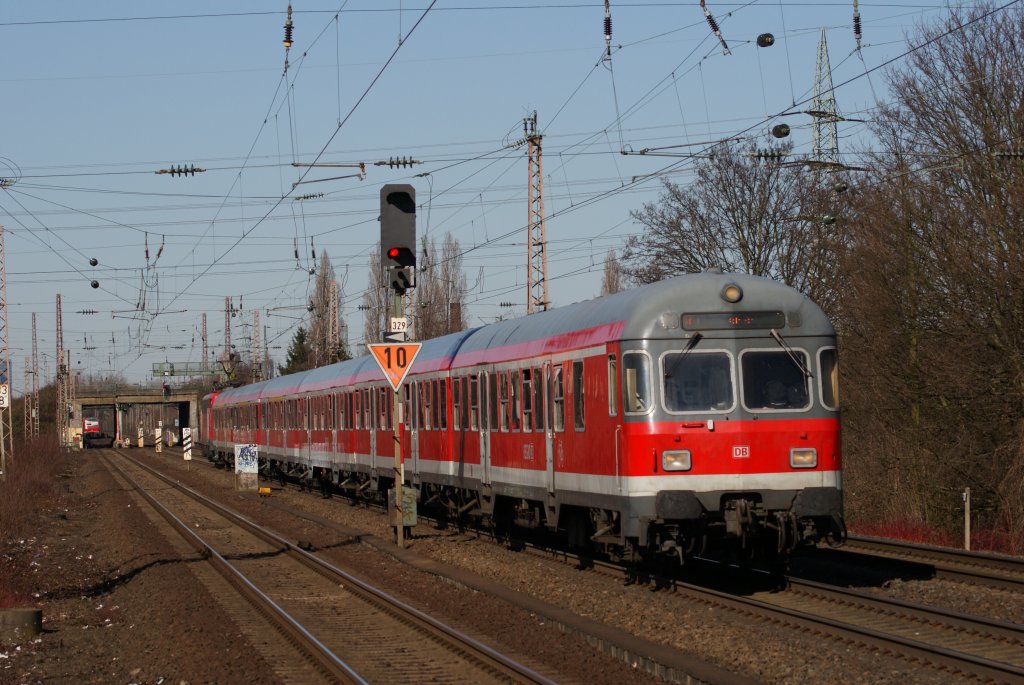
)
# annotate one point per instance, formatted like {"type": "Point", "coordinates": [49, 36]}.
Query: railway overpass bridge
{"type": "Point", "coordinates": [123, 413]}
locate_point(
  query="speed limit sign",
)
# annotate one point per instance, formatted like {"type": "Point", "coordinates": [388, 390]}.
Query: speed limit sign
{"type": "Point", "coordinates": [5, 396]}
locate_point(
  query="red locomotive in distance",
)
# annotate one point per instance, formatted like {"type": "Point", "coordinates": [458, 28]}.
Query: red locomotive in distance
{"type": "Point", "coordinates": [693, 416]}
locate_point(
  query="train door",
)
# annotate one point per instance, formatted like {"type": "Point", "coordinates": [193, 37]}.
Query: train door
{"type": "Point", "coordinates": [553, 374]}
{"type": "Point", "coordinates": [485, 433]}
{"type": "Point", "coordinates": [307, 409]}
{"type": "Point", "coordinates": [370, 403]}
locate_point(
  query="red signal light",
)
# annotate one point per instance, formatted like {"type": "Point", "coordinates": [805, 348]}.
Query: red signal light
{"type": "Point", "coordinates": [393, 253]}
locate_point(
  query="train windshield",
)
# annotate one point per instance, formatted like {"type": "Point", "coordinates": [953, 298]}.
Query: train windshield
{"type": "Point", "coordinates": [774, 380]}
{"type": "Point", "coordinates": [697, 381]}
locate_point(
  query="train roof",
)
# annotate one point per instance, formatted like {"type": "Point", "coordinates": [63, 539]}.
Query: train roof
{"type": "Point", "coordinates": [648, 312]}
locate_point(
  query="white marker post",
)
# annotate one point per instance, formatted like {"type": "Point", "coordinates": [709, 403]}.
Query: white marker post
{"type": "Point", "coordinates": [186, 446]}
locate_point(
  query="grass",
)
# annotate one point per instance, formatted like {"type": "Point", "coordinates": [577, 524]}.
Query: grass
{"type": "Point", "coordinates": [30, 490]}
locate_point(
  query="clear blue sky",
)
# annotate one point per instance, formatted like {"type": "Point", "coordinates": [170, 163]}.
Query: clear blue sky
{"type": "Point", "coordinates": [100, 95]}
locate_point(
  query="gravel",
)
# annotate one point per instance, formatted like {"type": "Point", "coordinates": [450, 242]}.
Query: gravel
{"type": "Point", "coordinates": [120, 614]}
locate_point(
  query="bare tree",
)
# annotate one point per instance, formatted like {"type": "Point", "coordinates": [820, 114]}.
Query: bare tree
{"type": "Point", "coordinates": [322, 349]}
{"type": "Point", "coordinates": [440, 289]}
{"type": "Point", "coordinates": [377, 301]}
{"type": "Point", "coordinates": [933, 313]}
{"type": "Point", "coordinates": [611, 281]}
{"type": "Point", "coordinates": [744, 212]}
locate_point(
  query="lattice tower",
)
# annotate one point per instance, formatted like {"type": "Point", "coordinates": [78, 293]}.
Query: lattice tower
{"type": "Point", "coordinates": [257, 348]}
{"type": "Point", "coordinates": [334, 324]}
{"type": "Point", "coordinates": [27, 397]}
{"type": "Point", "coordinates": [206, 351]}
{"type": "Point", "coordinates": [35, 380]}
{"type": "Point", "coordinates": [72, 390]}
{"type": "Point", "coordinates": [62, 382]}
{"type": "Point", "coordinates": [227, 329]}
{"type": "Point", "coordinates": [537, 264]}
{"type": "Point", "coordinates": [6, 429]}
{"type": "Point", "coordinates": [826, 135]}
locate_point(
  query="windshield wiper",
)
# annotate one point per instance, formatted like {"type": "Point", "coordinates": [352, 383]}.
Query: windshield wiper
{"type": "Point", "coordinates": [690, 344]}
{"type": "Point", "coordinates": [792, 355]}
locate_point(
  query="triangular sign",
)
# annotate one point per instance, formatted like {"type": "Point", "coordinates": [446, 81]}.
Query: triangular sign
{"type": "Point", "coordinates": [395, 360]}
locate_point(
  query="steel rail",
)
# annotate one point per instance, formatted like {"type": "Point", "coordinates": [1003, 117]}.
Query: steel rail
{"type": "Point", "coordinates": [938, 656]}
{"type": "Point", "coordinates": [989, 570]}
{"type": "Point", "coordinates": [398, 609]}
{"type": "Point", "coordinates": [323, 658]}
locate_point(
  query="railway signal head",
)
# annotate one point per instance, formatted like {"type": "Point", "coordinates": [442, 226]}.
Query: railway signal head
{"type": "Point", "coordinates": [398, 235]}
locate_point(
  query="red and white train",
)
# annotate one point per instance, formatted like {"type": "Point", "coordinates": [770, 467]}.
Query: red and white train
{"type": "Point", "coordinates": [685, 417]}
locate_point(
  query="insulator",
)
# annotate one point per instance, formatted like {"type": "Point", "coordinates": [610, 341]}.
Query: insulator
{"type": "Point", "coordinates": [780, 130]}
{"type": "Point", "coordinates": [94, 284]}
{"type": "Point", "coordinates": [765, 40]}
{"type": "Point", "coordinates": [856, 26]}
{"type": "Point", "coordinates": [607, 28]}
{"type": "Point", "coordinates": [288, 28]}
{"type": "Point", "coordinates": [769, 154]}
{"type": "Point", "coordinates": [712, 23]}
{"type": "Point", "coordinates": [93, 261]}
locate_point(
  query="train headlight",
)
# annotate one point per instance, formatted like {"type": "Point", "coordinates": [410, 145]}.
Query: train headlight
{"type": "Point", "coordinates": [803, 457]}
{"type": "Point", "coordinates": [732, 293]}
{"type": "Point", "coordinates": [676, 460]}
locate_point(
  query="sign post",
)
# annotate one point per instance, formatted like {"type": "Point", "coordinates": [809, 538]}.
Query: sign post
{"type": "Point", "coordinates": [395, 360]}
{"type": "Point", "coordinates": [186, 446]}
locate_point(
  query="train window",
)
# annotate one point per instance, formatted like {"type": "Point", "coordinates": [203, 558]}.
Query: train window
{"type": "Point", "coordinates": [636, 383]}
{"type": "Point", "coordinates": [406, 404]}
{"type": "Point", "coordinates": [503, 399]}
{"type": "Point", "coordinates": [527, 400]}
{"type": "Point", "coordinates": [514, 383]}
{"type": "Point", "coordinates": [558, 399]}
{"type": "Point", "coordinates": [474, 403]}
{"type": "Point", "coordinates": [697, 381]}
{"type": "Point", "coordinates": [493, 402]}
{"type": "Point", "coordinates": [424, 403]}
{"type": "Point", "coordinates": [828, 363]}
{"type": "Point", "coordinates": [538, 399]}
{"type": "Point", "coordinates": [435, 405]}
{"type": "Point", "coordinates": [456, 402]}
{"type": "Point", "coordinates": [577, 395]}
{"type": "Point", "coordinates": [443, 404]}
{"type": "Point", "coordinates": [464, 403]}
{"type": "Point", "coordinates": [774, 380]}
{"type": "Point", "coordinates": [613, 391]}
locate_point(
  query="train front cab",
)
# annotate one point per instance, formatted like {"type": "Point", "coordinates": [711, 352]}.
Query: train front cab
{"type": "Point", "coordinates": [732, 439]}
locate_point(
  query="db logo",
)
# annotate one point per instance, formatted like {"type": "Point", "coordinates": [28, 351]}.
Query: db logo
{"type": "Point", "coordinates": [740, 451]}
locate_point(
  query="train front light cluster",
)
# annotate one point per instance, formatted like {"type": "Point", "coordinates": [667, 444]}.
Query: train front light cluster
{"type": "Point", "coordinates": [803, 457]}
{"type": "Point", "coordinates": [676, 460]}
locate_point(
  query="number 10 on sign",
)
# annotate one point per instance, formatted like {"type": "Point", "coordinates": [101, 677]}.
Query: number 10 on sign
{"type": "Point", "coordinates": [395, 360]}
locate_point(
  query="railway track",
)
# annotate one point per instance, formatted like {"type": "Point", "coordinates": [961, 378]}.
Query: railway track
{"type": "Point", "coordinates": [977, 568]}
{"type": "Point", "coordinates": [349, 630]}
{"type": "Point", "coordinates": [951, 642]}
